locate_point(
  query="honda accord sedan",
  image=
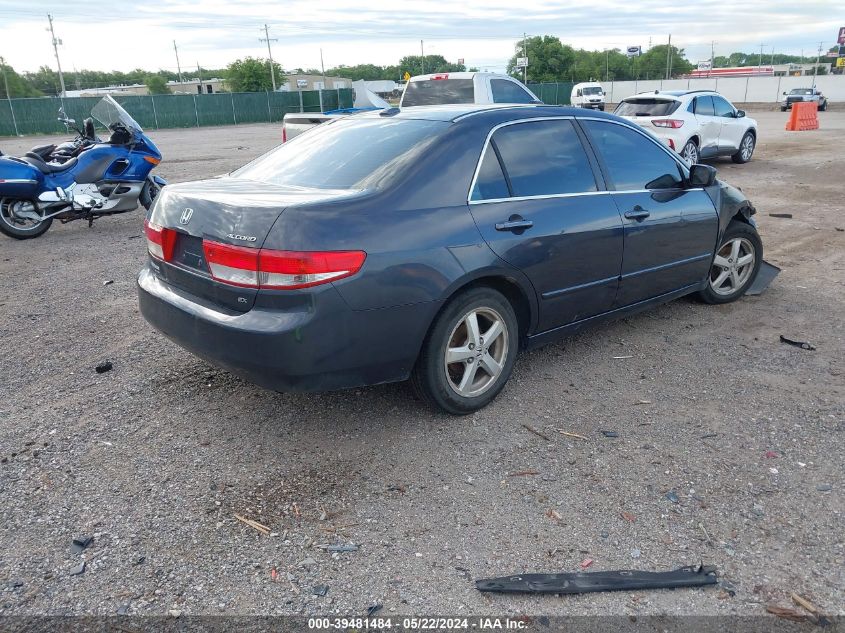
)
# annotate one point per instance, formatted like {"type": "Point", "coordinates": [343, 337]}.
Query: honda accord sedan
{"type": "Point", "coordinates": [435, 243]}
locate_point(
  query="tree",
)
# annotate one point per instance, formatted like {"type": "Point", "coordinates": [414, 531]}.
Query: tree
{"type": "Point", "coordinates": [252, 75]}
{"type": "Point", "coordinates": [548, 59]}
{"type": "Point", "coordinates": [157, 85]}
{"type": "Point", "coordinates": [18, 86]}
{"type": "Point", "coordinates": [433, 64]}
{"type": "Point", "coordinates": [652, 63]}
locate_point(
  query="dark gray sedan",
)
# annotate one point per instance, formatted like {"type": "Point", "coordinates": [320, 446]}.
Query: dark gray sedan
{"type": "Point", "coordinates": [433, 244]}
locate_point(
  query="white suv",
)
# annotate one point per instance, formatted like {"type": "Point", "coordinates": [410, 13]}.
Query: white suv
{"type": "Point", "coordinates": [697, 124]}
{"type": "Point", "coordinates": [466, 87]}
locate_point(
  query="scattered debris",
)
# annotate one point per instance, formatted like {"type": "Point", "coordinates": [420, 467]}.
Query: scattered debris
{"type": "Point", "coordinates": [123, 609]}
{"type": "Point", "coordinates": [104, 367]}
{"type": "Point", "coordinates": [770, 455]}
{"type": "Point", "coordinates": [586, 563]}
{"type": "Point", "coordinates": [397, 488]}
{"type": "Point", "coordinates": [575, 435]}
{"type": "Point", "coordinates": [80, 543]}
{"type": "Point", "coordinates": [554, 514]}
{"type": "Point", "coordinates": [587, 582]}
{"type": "Point", "coordinates": [839, 228]}
{"type": "Point", "coordinates": [727, 586]}
{"type": "Point", "coordinates": [140, 560]}
{"type": "Point", "coordinates": [373, 609]}
{"type": "Point", "coordinates": [794, 343]}
{"type": "Point", "coordinates": [621, 357]}
{"type": "Point", "coordinates": [824, 487]}
{"type": "Point", "coordinates": [630, 518]}
{"type": "Point", "coordinates": [709, 436]}
{"type": "Point", "coordinates": [816, 617]}
{"type": "Point", "coordinates": [537, 433]}
{"type": "Point", "coordinates": [340, 547]}
{"type": "Point", "coordinates": [320, 590]}
{"type": "Point", "coordinates": [522, 473]}
{"type": "Point", "coordinates": [610, 433]}
{"type": "Point", "coordinates": [786, 613]}
{"type": "Point", "coordinates": [707, 538]}
{"type": "Point", "coordinates": [635, 553]}
{"type": "Point", "coordinates": [765, 276]}
{"type": "Point", "coordinates": [274, 574]}
{"type": "Point", "coordinates": [787, 216]}
{"type": "Point", "coordinates": [108, 282]}
{"type": "Point", "coordinates": [673, 496]}
{"type": "Point", "coordinates": [253, 524]}
{"type": "Point", "coordinates": [643, 402]}
{"type": "Point", "coordinates": [78, 569]}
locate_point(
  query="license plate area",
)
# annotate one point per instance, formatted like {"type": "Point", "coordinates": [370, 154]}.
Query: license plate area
{"type": "Point", "coordinates": [188, 253]}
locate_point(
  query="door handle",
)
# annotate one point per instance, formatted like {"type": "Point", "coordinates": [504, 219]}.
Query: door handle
{"type": "Point", "coordinates": [514, 223]}
{"type": "Point", "coordinates": [637, 213]}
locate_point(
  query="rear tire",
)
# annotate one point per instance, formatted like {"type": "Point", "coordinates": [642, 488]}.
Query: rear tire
{"type": "Point", "coordinates": [18, 229]}
{"type": "Point", "coordinates": [690, 152]}
{"type": "Point", "coordinates": [732, 272]}
{"type": "Point", "coordinates": [458, 371]}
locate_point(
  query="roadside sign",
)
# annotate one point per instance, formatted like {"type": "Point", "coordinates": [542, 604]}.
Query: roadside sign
{"type": "Point", "coordinates": [301, 83]}
{"type": "Point", "coordinates": [840, 62]}
{"type": "Point", "coordinates": [634, 51]}
{"type": "Point", "coordinates": [461, 61]}
{"type": "Point", "coordinates": [522, 62]}
{"type": "Point", "coordinates": [704, 65]}
{"type": "Point", "coordinates": [841, 39]}
{"type": "Point", "coordinates": [406, 76]}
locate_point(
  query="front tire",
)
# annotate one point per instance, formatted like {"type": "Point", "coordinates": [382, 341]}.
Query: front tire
{"type": "Point", "coordinates": [823, 107]}
{"type": "Point", "coordinates": [19, 227]}
{"type": "Point", "coordinates": [469, 352]}
{"type": "Point", "coordinates": [735, 265]}
{"type": "Point", "coordinates": [746, 149]}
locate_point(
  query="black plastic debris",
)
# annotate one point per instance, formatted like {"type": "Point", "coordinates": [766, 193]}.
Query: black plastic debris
{"type": "Point", "coordinates": [610, 433]}
{"type": "Point", "coordinates": [788, 216]}
{"type": "Point", "coordinates": [104, 367]}
{"type": "Point", "coordinates": [794, 343]}
{"type": "Point", "coordinates": [108, 282]}
{"type": "Point", "coordinates": [765, 276]}
{"type": "Point", "coordinates": [78, 569]}
{"type": "Point", "coordinates": [589, 582]}
{"type": "Point", "coordinates": [320, 590]}
{"type": "Point", "coordinates": [80, 543]}
{"type": "Point", "coordinates": [373, 609]}
{"type": "Point", "coordinates": [350, 547]}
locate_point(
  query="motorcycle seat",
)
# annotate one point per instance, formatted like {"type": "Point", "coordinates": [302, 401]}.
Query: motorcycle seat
{"type": "Point", "coordinates": [48, 168]}
{"type": "Point", "coordinates": [42, 151]}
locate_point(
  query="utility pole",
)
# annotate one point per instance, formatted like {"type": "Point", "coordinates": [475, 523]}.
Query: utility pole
{"type": "Point", "coordinates": [773, 57]}
{"type": "Point", "coordinates": [267, 39]}
{"type": "Point", "coordinates": [816, 67]}
{"type": "Point", "coordinates": [669, 57]}
{"type": "Point", "coordinates": [56, 44]}
{"type": "Point", "coordinates": [760, 64]}
{"type": "Point", "coordinates": [9, 95]}
{"type": "Point", "coordinates": [422, 57]}
{"type": "Point", "coordinates": [178, 66]}
{"type": "Point", "coordinates": [607, 66]}
{"type": "Point", "coordinates": [525, 55]}
{"type": "Point", "coordinates": [199, 72]}
{"type": "Point", "coordinates": [323, 68]}
{"type": "Point", "coordinates": [712, 56]}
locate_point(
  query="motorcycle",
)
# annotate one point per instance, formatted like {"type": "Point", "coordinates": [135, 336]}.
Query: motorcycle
{"type": "Point", "coordinates": [81, 180]}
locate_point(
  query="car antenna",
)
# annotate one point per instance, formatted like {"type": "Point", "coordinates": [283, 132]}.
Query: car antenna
{"type": "Point", "coordinates": [389, 112]}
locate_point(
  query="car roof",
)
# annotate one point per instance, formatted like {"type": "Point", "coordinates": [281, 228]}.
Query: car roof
{"type": "Point", "coordinates": [458, 75]}
{"type": "Point", "coordinates": [457, 112]}
{"type": "Point", "coordinates": [670, 94]}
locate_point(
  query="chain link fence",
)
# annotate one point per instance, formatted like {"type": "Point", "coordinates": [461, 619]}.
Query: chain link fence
{"type": "Point", "coordinates": [38, 116]}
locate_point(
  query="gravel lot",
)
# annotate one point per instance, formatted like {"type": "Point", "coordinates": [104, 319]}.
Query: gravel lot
{"type": "Point", "coordinates": [154, 458]}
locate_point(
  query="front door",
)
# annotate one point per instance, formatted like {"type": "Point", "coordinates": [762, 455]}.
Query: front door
{"type": "Point", "coordinates": [538, 205]}
{"type": "Point", "coordinates": [670, 230]}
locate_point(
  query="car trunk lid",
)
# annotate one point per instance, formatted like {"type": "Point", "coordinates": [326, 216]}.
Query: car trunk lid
{"type": "Point", "coordinates": [232, 211]}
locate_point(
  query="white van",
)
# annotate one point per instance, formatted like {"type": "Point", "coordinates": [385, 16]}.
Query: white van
{"type": "Point", "coordinates": [588, 94]}
{"type": "Point", "coordinates": [465, 87]}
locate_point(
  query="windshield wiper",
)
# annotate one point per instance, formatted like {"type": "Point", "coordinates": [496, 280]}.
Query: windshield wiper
{"type": "Point", "coordinates": [587, 582]}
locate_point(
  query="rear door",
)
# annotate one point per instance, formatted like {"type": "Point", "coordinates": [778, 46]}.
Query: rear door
{"type": "Point", "coordinates": [709, 125]}
{"type": "Point", "coordinates": [539, 204]}
{"type": "Point", "coordinates": [732, 128]}
{"type": "Point", "coordinates": [670, 230]}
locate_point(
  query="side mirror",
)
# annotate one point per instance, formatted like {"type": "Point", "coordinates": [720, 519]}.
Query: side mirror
{"type": "Point", "coordinates": [784, 93]}
{"type": "Point", "coordinates": [740, 114]}
{"type": "Point", "coordinates": [604, 93]}
{"type": "Point", "coordinates": [702, 175]}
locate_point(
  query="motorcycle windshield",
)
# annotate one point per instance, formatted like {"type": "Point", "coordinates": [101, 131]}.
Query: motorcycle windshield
{"type": "Point", "coordinates": [108, 112]}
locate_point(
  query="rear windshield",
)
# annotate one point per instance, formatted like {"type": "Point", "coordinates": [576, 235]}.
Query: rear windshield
{"type": "Point", "coordinates": [646, 107]}
{"type": "Point", "coordinates": [438, 91]}
{"type": "Point", "coordinates": [348, 153]}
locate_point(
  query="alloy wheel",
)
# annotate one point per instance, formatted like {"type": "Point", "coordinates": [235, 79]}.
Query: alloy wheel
{"type": "Point", "coordinates": [747, 148]}
{"type": "Point", "coordinates": [19, 215]}
{"type": "Point", "coordinates": [732, 266]}
{"type": "Point", "coordinates": [476, 352]}
{"type": "Point", "coordinates": [690, 153]}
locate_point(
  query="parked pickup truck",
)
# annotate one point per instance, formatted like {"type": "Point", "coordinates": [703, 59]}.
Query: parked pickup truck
{"type": "Point", "coordinates": [468, 87]}
{"type": "Point", "coordinates": [803, 94]}
{"type": "Point", "coordinates": [296, 123]}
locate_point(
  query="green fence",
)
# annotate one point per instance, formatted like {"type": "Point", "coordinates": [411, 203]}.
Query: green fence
{"type": "Point", "coordinates": [38, 116]}
{"type": "Point", "coordinates": [553, 93]}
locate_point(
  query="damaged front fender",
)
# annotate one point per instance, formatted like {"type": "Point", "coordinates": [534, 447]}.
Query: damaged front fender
{"type": "Point", "coordinates": [731, 203]}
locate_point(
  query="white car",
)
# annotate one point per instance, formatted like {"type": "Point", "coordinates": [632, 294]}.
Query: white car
{"type": "Point", "coordinates": [466, 87]}
{"type": "Point", "coordinates": [697, 123]}
{"type": "Point", "coordinates": [588, 94]}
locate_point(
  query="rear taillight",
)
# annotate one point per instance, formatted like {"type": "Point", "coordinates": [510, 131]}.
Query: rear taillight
{"type": "Point", "coordinates": [287, 270]}
{"type": "Point", "coordinates": [442, 76]}
{"type": "Point", "coordinates": [160, 241]}
{"type": "Point", "coordinates": [672, 123]}
{"type": "Point", "coordinates": [671, 143]}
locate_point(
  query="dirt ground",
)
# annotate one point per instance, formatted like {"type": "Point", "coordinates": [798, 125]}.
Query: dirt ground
{"type": "Point", "coordinates": [729, 450]}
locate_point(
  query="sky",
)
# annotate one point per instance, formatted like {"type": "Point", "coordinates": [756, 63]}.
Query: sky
{"type": "Point", "coordinates": [97, 35]}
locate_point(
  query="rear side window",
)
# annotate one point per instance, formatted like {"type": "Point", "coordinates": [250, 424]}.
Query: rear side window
{"type": "Point", "coordinates": [347, 153]}
{"type": "Point", "coordinates": [490, 183]}
{"type": "Point", "coordinates": [634, 162]}
{"type": "Point", "coordinates": [505, 91]}
{"type": "Point", "coordinates": [704, 106]}
{"type": "Point", "coordinates": [646, 107]}
{"type": "Point", "coordinates": [438, 91]}
{"type": "Point", "coordinates": [544, 158]}
{"type": "Point", "coordinates": [722, 107]}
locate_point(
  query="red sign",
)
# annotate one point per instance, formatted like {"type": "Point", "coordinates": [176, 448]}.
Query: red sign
{"type": "Point", "coordinates": [841, 39]}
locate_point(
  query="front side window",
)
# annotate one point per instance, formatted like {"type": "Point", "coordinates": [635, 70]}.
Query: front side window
{"type": "Point", "coordinates": [544, 158]}
{"type": "Point", "coordinates": [505, 91]}
{"type": "Point", "coordinates": [722, 107]}
{"type": "Point", "coordinates": [634, 161]}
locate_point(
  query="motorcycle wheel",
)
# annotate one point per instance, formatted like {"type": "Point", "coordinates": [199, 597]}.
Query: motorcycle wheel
{"type": "Point", "coordinates": [17, 227]}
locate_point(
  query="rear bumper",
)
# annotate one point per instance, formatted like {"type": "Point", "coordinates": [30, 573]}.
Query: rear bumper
{"type": "Point", "coordinates": [322, 347]}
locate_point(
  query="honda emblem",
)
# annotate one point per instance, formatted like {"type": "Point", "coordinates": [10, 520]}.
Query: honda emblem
{"type": "Point", "coordinates": [186, 216]}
